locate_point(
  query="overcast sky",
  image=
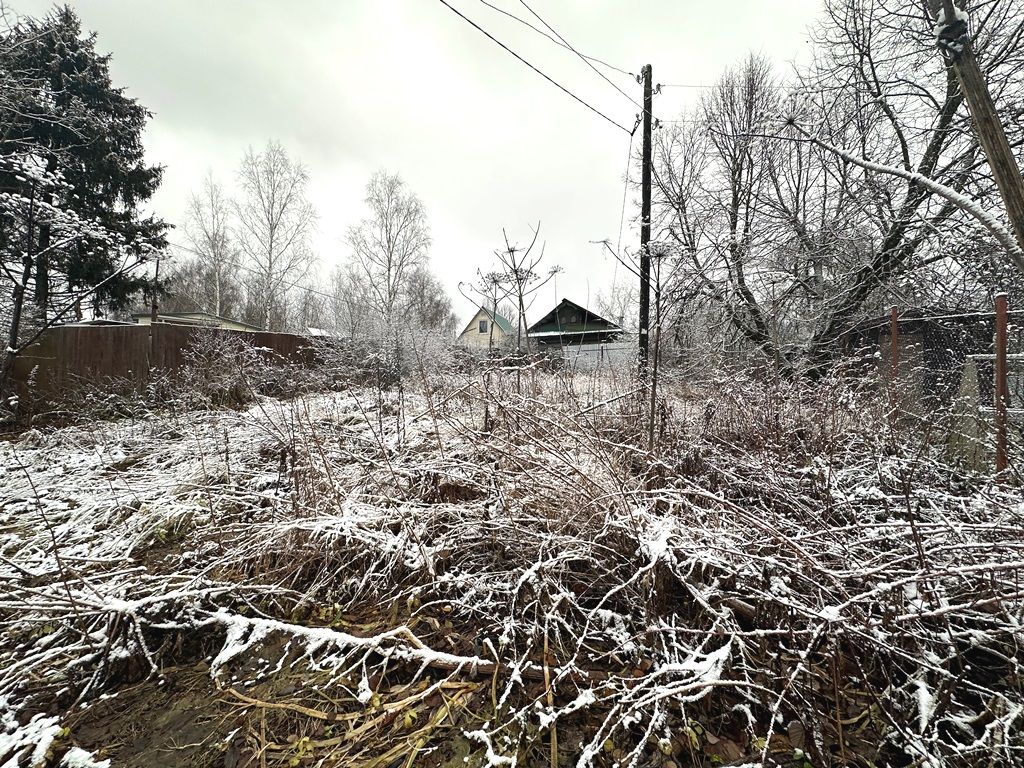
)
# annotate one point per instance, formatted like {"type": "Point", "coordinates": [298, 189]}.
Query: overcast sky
{"type": "Point", "coordinates": [352, 86]}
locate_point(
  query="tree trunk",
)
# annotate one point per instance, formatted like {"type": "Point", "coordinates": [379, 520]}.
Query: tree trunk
{"type": "Point", "coordinates": [15, 330]}
{"type": "Point", "coordinates": [18, 296]}
{"type": "Point", "coordinates": [42, 294]}
{"type": "Point", "coordinates": [216, 292]}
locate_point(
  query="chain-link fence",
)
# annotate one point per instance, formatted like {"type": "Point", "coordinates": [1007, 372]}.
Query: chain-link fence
{"type": "Point", "coordinates": [943, 371]}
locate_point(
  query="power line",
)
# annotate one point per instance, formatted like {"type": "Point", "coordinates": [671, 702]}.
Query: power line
{"type": "Point", "coordinates": [584, 58]}
{"type": "Point", "coordinates": [563, 43]}
{"type": "Point", "coordinates": [556, 42]}
{"type": "Point", "coordinates": [625, 192]}
{"type": "Point", "coordinates": [622, 216]}
{"type": "Point", "coordinates": [288, 283]}
{"type": "Point", "coordinates": [524, 61]}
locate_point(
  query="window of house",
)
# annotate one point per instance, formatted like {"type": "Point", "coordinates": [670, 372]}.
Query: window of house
{"type": "Point", "coordinates": [483, 326]}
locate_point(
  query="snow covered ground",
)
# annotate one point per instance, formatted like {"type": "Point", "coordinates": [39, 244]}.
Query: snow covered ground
{"type": "Point", "coordinates": [765, 582]}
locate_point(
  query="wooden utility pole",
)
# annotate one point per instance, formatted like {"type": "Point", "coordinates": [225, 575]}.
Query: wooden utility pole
{"type": "Point", "coordinates": [955, 43]}
{"type": "Point", "coordinates": [645, 223]}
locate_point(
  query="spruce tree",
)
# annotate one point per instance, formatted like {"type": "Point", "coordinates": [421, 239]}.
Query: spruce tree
{"type": "Point", "coordinates": [70, 117]}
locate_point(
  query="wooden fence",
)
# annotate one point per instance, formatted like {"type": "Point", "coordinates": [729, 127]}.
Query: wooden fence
{"type": "Point", "coordinates": [65, 356]}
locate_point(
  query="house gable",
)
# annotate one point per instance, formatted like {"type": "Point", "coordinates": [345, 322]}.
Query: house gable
{"type": "Point", "coordinates": [569, 323]}
{"type": "Point", "coordinates": [502, 327]}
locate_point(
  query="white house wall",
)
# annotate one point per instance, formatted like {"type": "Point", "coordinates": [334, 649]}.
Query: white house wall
{"type": "Point", "coordinates": [472, 337]}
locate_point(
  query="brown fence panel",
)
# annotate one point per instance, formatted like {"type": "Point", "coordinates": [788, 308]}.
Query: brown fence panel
{"type": "Point", "coordinates": [66, 355]}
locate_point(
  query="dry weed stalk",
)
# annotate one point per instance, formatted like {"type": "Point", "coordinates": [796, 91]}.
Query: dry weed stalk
{"type": "Point", "coordinates": [775, 577]}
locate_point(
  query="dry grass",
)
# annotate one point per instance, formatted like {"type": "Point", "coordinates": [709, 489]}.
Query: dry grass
{"type": "Point", "coordinates": [790, 574]}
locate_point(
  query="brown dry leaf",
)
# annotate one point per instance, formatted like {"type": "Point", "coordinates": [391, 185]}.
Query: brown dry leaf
{"type": "Point", "coordinates": [797, 735]}
{"type": "Point", "coordinates": [726, 750]}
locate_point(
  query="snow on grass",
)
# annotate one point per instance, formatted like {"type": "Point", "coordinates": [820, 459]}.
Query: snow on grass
{"type": "Point", "coordinates": [722, 574]}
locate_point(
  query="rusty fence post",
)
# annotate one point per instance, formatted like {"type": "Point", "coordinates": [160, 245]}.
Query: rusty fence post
{"type": "Point", "coordinates": [1002, 393]}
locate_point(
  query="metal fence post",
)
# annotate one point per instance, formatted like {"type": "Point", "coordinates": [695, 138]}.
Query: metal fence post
{"type": "Point", "coordinates": [894, 339]}
{"type": "Point", "coordinates": [1002, 393]}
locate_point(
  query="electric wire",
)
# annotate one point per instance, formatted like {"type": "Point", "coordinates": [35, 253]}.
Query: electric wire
{"type": "Point", "coordinates": [257, 273]}
{"type": "Point", "coordinates": [288, 283]}
{"type": "Point", "coordinates": [582, 57]}
{"type": "Point", "coordinates": [622, 219]}
{"type": "Point", "coordinates": [625, 192]}
{"type": "Point", "coordinates": [524, 61]}
{"type": "Point", "coordinates": [559, 43]}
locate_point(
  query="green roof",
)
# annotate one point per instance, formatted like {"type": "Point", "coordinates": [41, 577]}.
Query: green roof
{"type": "Point", "coordinates": [501, 322]}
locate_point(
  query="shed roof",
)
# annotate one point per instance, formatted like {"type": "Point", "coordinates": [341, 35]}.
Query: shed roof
{"type": "Point", "coordinates": [191, 315]}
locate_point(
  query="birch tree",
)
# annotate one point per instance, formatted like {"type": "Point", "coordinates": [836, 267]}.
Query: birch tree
{"type": "Point", "coordinates": [428, 302]}
{"type": "Point", "coordinates": [350, 308]}
{"type": "Point", "coordinates": [208, 230]}
{"type": "Point", "coordinates": [274, 223]}
{"type": "Point", "coordinates": [391, 242]}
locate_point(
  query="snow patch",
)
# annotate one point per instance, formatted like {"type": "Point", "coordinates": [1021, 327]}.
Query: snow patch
{"type": "Point", "coordinates": [77, 757]}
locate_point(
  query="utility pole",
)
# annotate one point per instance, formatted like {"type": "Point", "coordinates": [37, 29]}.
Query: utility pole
{"type": "Point", "coordinates": [955, 43]}
{"type": "Point", "coordinates": [645, 224]}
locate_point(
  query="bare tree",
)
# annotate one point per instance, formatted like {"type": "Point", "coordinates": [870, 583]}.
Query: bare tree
{"type": "Point", "coordinates": [713, 180]}
{"type": "Point", "coordinates": [350, 308]}
{"type": "Point", "coordinates": [391, 242]}
{"type": "Point", "coordinates": [428, 303]}
{"type": "Point", "coordinates": [274, 222]}
{"type": "Point", "coordinates": [789, 241]}
{"type": "Point", "coordinates": [208, 229]}
{"type": "Point", "coordinates": [509, 311]}
{"type": "Point", "coordinates": [185, 286]}
{"type": "Point", "coordinates": [908, 113]}
{"type": "Point", "coordinates": [308, 307]}
{"type": "Point", "coordinates": [618, 304]}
